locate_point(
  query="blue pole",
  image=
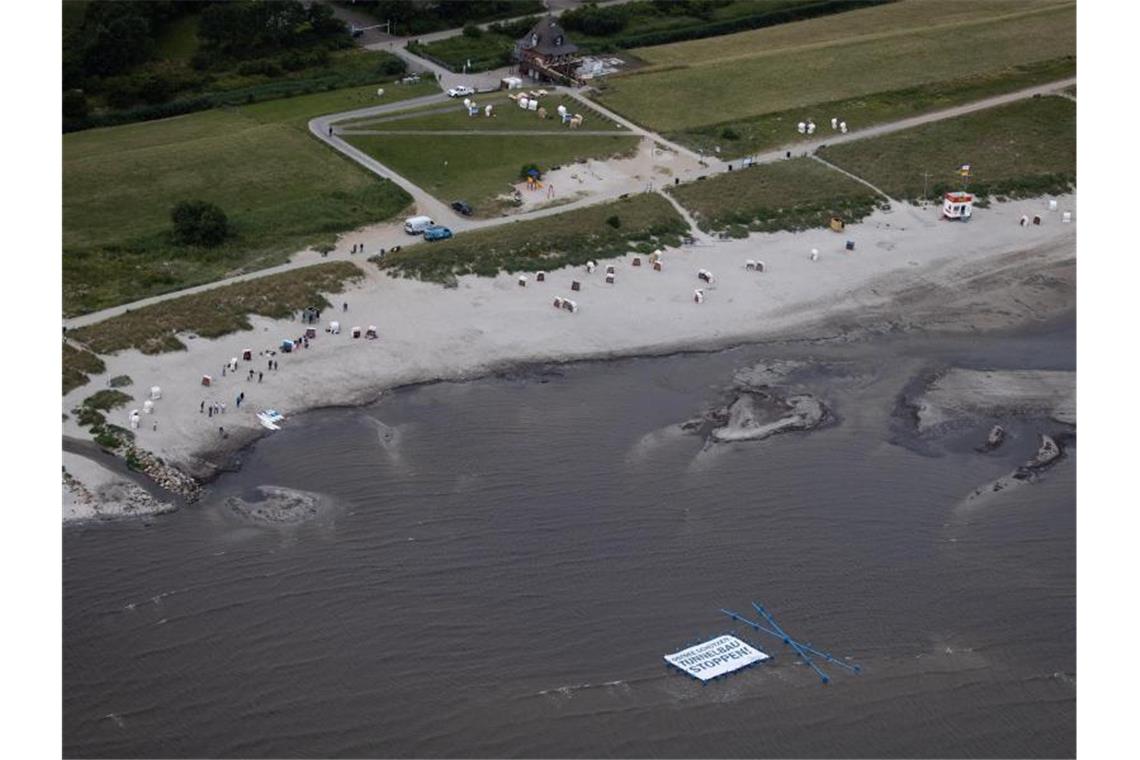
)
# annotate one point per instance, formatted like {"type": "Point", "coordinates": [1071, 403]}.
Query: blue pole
{"type": "Point", "coordinates": [791, 642]}
{"type": "Point", "coordinates": [807, 646]}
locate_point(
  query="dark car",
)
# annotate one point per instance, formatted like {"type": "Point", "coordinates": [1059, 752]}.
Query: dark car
{"type": "Point", "coordinates": [462, 208]}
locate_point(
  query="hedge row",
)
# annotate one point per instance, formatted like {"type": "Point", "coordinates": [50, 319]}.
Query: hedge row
{"type": "Point", "coordinates": [741, 24]}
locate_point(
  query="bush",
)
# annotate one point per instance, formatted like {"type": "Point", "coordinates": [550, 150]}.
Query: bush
{"type": "Point", "coordinates": [472, 30]}
{"type": "Point", "coordinates": [728, 133]}
{"type": "Point", "coordinates": [264, 68]}
{"type": "Point", "coordinates": [614, 221]}
{"type": "Point", "coordinates": [120, 381]}
{"type": "Point", "coordinates": [199, 223]}
{"type": "Point", "coordinates": [594, 21]}
{"type": "Point", "coordinates": [391, 66]}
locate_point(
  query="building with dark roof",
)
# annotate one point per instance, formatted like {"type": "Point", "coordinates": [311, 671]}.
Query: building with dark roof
{"type": "Point", "coordinates": [545, 53]}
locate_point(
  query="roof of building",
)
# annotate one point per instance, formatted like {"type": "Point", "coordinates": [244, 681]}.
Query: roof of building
{"type": "Point", "coordinates": [548, 38]}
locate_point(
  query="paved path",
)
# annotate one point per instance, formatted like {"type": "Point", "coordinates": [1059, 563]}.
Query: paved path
{"type": "Point", "coordinates": [491, 132]}
{"type": "Point", "coordinates": [443, 214]}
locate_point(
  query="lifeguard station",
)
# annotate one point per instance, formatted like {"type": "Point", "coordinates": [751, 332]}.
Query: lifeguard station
{"type": "Point", "coordinates": [958, 206]}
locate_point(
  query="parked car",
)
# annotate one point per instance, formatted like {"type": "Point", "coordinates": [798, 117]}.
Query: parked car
{"type": "Point", "coordinates": [460, 91]}
{"type": "Point", "coordinates": [461, 207]}
{"type": "Point", "coordinates": [410, 78]}
{"type": "Point", "coordinates": [417, 224]}
{"type": "Point", "coordinates": [437, 233]}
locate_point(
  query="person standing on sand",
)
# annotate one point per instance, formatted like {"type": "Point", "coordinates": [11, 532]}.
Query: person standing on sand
{"type": "Point", "coordinates": [345, 305]}
{"type": "Point", "coordinates": [202, 408]}
{"type": "Point", "coordinates": [222, 406]}
{"type": "Point", "coordinates": [211, 414]}
{"type": "Point", "coordinates": [221, 431]}
{"type": "Point", "coordinates": [259, 377]}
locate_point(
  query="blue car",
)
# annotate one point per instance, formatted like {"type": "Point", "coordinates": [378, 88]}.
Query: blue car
{"type": "Point", "coordinates": [437, 233]}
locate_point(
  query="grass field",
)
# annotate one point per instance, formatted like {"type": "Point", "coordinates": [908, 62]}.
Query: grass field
{"type": "Point", "coordinates": [787, 195]}
{"type": "Point", "coordinates": [153, 329]}
{"type": "Point", "coordinates": [507, 115]}
{"type": "Point", "coordinates": [643, 222]}
{"type": "Point", "coordinates": [479, 167]}
{"type": "Point", "coordinates": [485, 52]}
{"type": "Point", "coordinates": [842, 58]}
{"type": "Point", "coordinates": [1023, 149]}
{"type": "Point", "coordinates": [281, 188]}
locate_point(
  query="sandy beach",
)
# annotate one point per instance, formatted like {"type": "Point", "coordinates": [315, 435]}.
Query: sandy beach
{"type": "Point", "coordinates": [909, 270]}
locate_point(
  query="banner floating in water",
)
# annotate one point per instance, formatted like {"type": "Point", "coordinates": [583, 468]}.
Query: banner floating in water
{"type": "Point", "coordinates": [715, 657]}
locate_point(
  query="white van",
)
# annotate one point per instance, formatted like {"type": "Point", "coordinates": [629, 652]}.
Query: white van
{"type": "Point", "coordinates": [417, 224]}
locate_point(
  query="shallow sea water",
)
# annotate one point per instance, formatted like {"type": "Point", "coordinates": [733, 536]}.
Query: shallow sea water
{"type": "Point", "coordinates": [498, 567]}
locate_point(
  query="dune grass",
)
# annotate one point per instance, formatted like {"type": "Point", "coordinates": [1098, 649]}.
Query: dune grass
{"type": "Point", "coordinates": [1023, 149]}
{"type": "Point", "coordinates": [78, 366]}
{"type": "Point", "coordinates": [642, 222]}
{"type": "Point", "coordinates": [840, 59]}
{"type": "Point", "coordinates": [154, 329]}
{"type": "Point", "coordinates": [797, 194]}
{"type": "Point", "coordinates": [478, 168]}
{"type": "Point", "coordinates": [282, 190]}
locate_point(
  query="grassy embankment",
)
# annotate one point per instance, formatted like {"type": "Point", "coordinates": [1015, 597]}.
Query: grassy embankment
{"type": "Point", "coordinates": [745, 92]}
{"type": "Point", "coordinates": [638, 223]}
{"type": "Point", "coordinates": [786, 195]}
{"type": "Point", "coordinates": [1023, 149]}
{"type": "Point", "coordinates": [281, 189]}
{"type": "Point", "coordinates": [154, 329]}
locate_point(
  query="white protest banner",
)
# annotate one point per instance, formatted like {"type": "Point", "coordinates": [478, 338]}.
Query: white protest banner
{"type": "Point", "coordinates": [715, 657]}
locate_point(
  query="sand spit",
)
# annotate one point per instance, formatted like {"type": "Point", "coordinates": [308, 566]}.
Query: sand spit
{"type": "Point", "coordinates": [1050, 451]}
{"type": "Point", "coordinates": [91, 491]}
{"type": "Point", "coordinates": [276, 505]}
{"type": "Point", "coordinates": [909, 271]}
{"type": "Point", "coordinates": [963, 395]}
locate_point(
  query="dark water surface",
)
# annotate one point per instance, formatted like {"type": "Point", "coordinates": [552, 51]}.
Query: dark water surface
{"type": "Point", "coordinates": [500, 569]}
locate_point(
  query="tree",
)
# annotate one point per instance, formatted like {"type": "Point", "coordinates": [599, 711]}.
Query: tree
{"type": "Point", "coordinates": [199, 223]}
{"type": "Point", "coordinates": [121, 43]}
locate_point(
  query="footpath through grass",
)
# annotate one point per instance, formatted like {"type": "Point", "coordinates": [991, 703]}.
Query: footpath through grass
{"type": "Point", "coordinates": [887, 54]}
{"type": "Point", "coordinates": [639, 223]}
{"type": "Point", "coordinates": [154, 329]}
{"type": "Point", "coordinates": [281, 189]}
{"type": "Point", "coordinates": [479, 168]}
{"type": "Point", "coordinates": [1024, 149]}
{"type": "Point", "coordinates": [797, 194]}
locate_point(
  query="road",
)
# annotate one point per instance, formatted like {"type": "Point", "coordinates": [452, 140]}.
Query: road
{"type": "Point", "coordinates": [323, 128]}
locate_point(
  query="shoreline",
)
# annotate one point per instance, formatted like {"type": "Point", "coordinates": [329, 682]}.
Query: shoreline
{"type": "Point", "coordinates": [950, 278]}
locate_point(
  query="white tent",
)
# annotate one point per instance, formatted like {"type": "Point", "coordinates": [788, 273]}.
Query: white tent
{"type": "Point", "coordinates": [155, 392]}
